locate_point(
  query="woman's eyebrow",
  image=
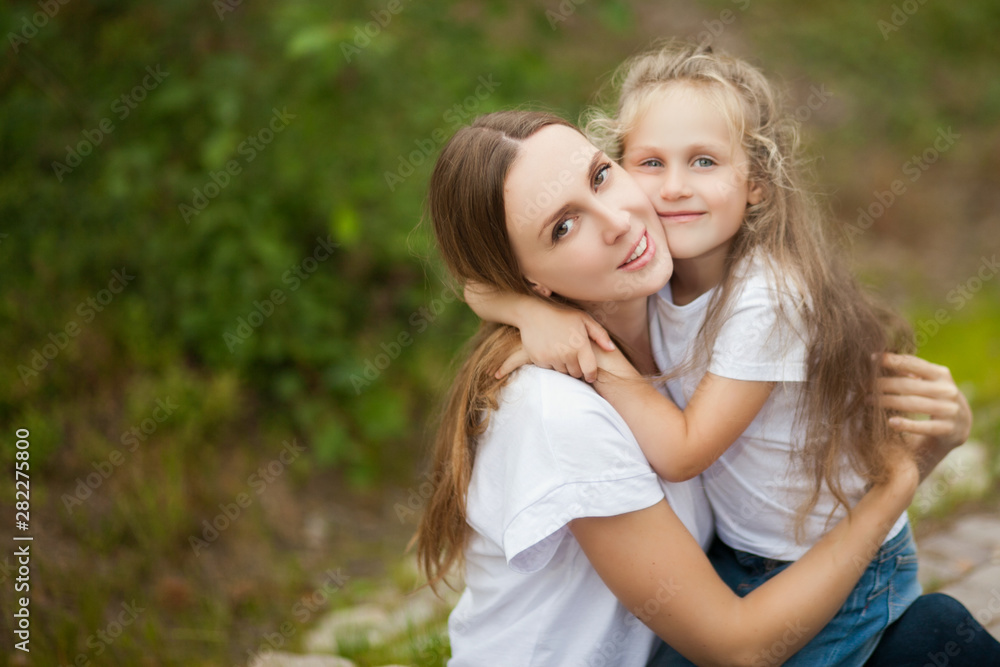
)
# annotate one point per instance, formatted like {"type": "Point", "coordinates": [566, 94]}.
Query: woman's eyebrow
{"type": "Point", "coordinates": [595, 161]}
{"type": "Point", "coordinates": [556, 217]}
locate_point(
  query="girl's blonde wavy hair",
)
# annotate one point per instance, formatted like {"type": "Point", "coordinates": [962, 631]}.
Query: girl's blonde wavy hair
{"type": "Point", "coordinates": [845, 426]}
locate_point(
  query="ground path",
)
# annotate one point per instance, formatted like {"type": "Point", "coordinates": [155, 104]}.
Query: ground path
{"type": "Point", "coordinates": [958, 555]}
{"type": "Point", "coordinates": [963, 560]}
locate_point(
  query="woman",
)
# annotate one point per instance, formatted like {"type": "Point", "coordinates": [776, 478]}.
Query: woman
{"type": "Point", "coordinates": [566, 534]}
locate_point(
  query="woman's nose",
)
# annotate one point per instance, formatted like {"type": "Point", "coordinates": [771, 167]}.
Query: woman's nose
{"type": "Point", "coordinates": [617, 223]}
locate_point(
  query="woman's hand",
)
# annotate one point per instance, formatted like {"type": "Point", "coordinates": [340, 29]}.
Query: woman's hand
{"type": "Point", "coordinates": [918, 387]}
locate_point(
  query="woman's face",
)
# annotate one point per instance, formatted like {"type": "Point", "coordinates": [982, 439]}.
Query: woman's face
{"type": "Point", "coordinates": [579, 225]}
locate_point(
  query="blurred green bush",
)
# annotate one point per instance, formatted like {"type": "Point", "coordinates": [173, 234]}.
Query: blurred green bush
{"type": "Point", "coordinates": [219, 204]}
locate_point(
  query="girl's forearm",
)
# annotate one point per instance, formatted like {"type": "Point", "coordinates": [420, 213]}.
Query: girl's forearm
{"type": "Point", "coordinates": [681, 444]}
{"type": "Point", "coordinates": [656, 422]}
{"type": "Point", "coordinates": [495, 306]}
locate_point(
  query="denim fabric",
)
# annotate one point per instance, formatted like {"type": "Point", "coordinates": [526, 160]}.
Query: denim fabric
{"type": "Point", "coordinates": [888, 586]}
{"type": "Point", "coordinates": [936, 631]}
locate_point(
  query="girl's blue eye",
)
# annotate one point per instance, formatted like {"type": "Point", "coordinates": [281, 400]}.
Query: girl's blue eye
{"type": "Point", "coordinates": [562, 229]}
{"type": "Point", "coordinates": [704, 162]}
{"type": "Point", "coordinates": [652, 162]}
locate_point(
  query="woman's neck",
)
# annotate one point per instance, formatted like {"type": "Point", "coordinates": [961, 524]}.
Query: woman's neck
{"type": "Point", "coordinates": [628, 321]}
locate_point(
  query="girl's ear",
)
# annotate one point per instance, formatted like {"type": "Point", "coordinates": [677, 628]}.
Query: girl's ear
{"type": "Point", "coordinates": [544, 291]}
{"type": "Point", "coordinates": [755, 194]}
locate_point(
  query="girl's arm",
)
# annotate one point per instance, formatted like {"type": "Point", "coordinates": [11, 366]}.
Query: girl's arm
{"type": "Point", "coordinates": [680, 444]}
{"type": "Point", "coordinates": [658, 571]}
{"type": "Point", "coordinates": [552, 337]}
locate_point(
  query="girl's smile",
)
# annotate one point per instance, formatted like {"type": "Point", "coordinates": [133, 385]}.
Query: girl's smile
{"type": "Point", "coordinates": [682, 154]}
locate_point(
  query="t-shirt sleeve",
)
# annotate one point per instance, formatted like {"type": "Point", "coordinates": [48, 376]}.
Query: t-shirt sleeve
{"type": "Point", "coordinates": [758, 341]}
{"type": "Point", "coordinates": [575, 458]}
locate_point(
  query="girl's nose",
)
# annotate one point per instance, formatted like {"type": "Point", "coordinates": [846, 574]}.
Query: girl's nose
{"type": "Point", "coordinates": [674, 186]}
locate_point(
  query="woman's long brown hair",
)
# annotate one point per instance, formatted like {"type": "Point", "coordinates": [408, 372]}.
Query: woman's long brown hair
{"type": "Point", "coordinates": [467, 210]}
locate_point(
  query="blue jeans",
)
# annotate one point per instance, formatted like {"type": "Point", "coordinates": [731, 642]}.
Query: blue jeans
{"type": "Point", "coordinates": [936, 631]}
{"type": "Point", "coordinates": [888, 586]}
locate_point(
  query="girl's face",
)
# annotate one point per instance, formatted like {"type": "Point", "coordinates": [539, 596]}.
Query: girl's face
{"type": "Point", "coordinates": [579, 225]}
{"type": "Point", "coordinates": [682, 155]}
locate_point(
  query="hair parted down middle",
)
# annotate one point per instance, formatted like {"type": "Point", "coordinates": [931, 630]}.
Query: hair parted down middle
{"type": "Point", "coordinates": [467, 210]}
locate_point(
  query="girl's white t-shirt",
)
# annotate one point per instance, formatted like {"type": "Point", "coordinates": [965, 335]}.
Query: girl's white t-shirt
{"type": "Point", "coordinates": [755, 488]}
{"type": "Point", "coordinates": [554, 451]}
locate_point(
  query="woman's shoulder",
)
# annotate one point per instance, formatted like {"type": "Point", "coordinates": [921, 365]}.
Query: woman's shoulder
{"type": "Point", "coordinates": [560, 419]}
{"type": "Point", "coordinates": [552, 397]}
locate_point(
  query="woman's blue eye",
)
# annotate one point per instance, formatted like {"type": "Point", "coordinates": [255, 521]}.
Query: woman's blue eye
{"type": "Point", "coordinates": [562, 229]}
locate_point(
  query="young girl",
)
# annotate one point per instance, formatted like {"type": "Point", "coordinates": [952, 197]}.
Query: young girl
{"type": "Point", "coordinates": [771, 347]}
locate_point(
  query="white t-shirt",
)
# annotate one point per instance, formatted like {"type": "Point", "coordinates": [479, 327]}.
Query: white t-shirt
{"type": "Point", "coordinates": [554, 451]}
{"type": "Point", "coordinates": [755, 488]}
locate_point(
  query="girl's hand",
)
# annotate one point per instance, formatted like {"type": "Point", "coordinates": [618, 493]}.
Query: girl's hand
{"type": "Point", "coordinates": [921, 388]}
{"type": "Point", "coordinates": [559, 339]}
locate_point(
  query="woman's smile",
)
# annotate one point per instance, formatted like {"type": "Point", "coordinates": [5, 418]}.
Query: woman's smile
{"type": "Point", "coordinates": [578, 222]}
{"type": "Point", "coordinates": [641, 255]}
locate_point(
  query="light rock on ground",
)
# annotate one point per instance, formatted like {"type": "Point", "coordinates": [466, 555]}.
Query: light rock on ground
{"type": "Point", "coordinates": [277, 659]}
{"type": "Point", "coordinates": [376, 624]}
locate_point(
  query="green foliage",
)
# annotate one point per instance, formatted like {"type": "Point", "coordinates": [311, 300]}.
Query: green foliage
{"type": "Point", "coordinates": [220, 204]}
